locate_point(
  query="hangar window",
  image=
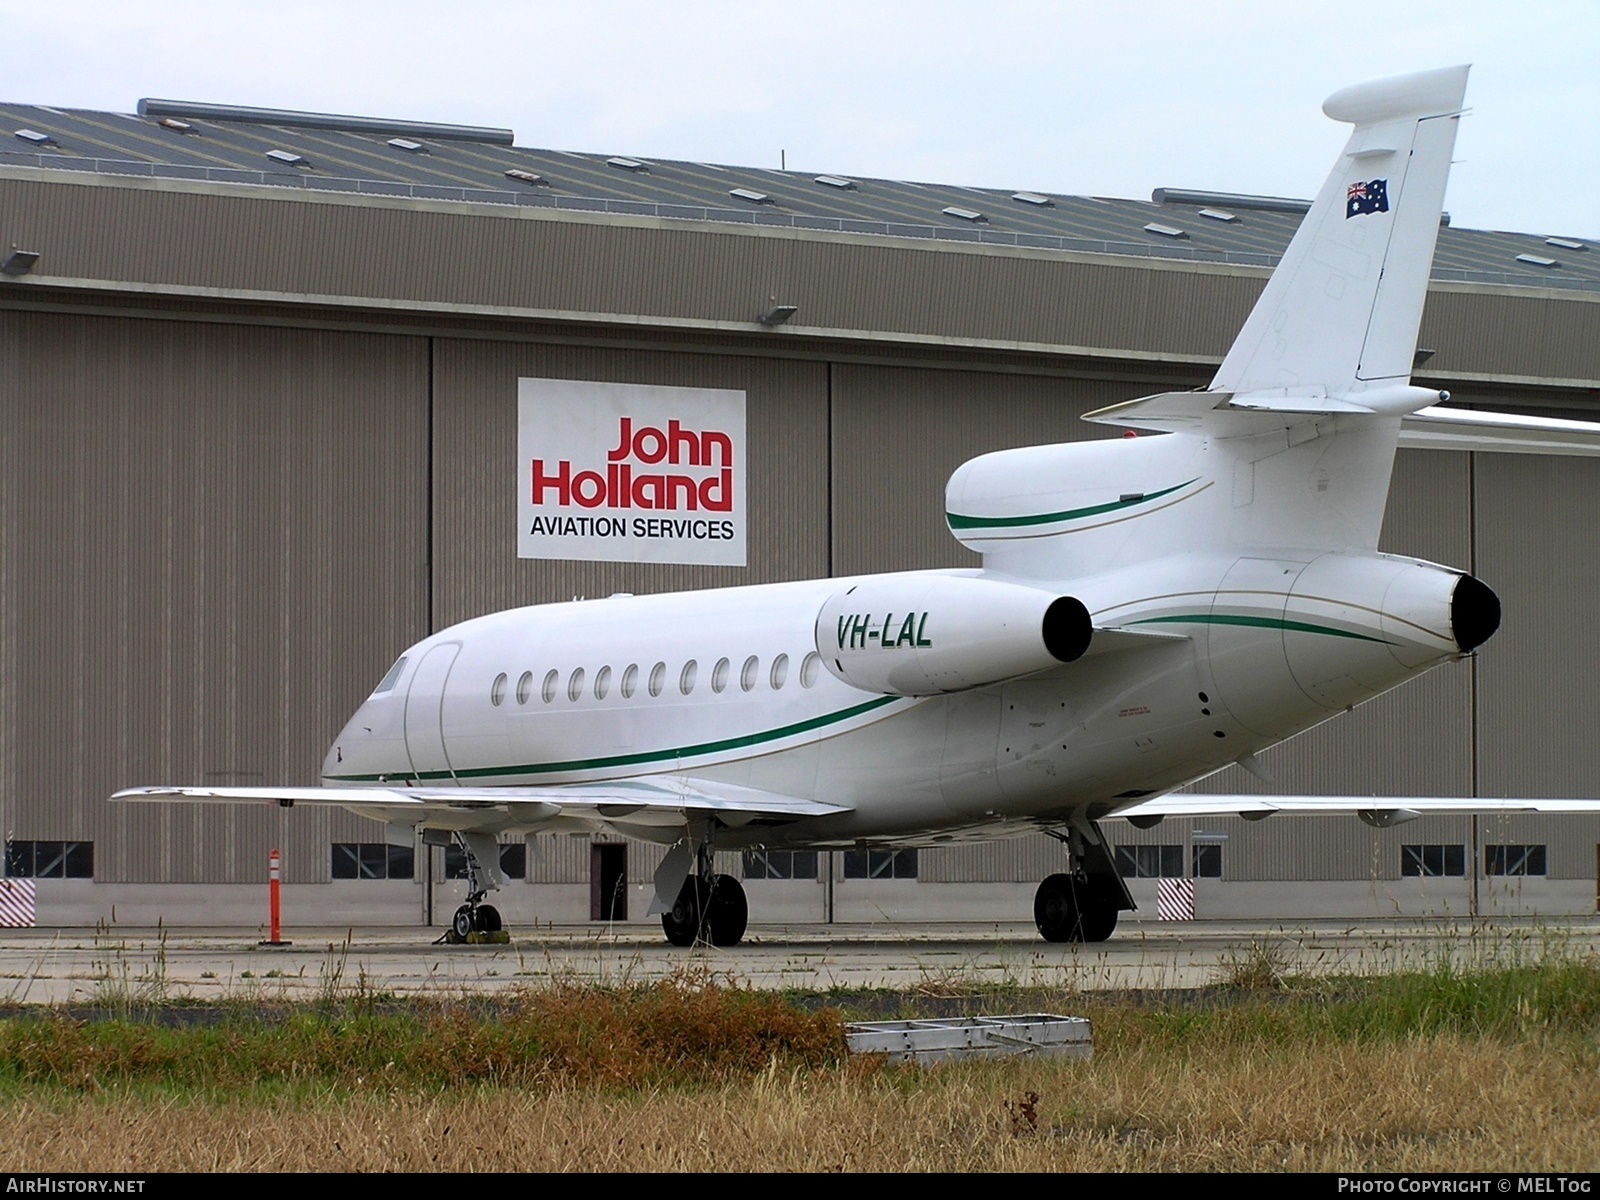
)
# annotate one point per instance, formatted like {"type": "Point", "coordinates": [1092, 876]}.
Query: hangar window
{"type": "Point", "coordinates": [780, 864]}
{"type": "Point", "coordinates": [497, 690]}
{"type": "Point", "coordinates": [780, 671]}
{"type": "Point", "coordinates": [1150, 862]}
{"type": "Point", "coordinates": [371, 860]}
{"type": "Point", "coordinates": [810, 669]}
{"type": "Point", "coordinates": [658, 678]}
{"type": "Point", "coordinates": [513, 861]}
{"type": "Point", "coordinates": [719, 676]}
{"type": "Point", "coordinates": [1207, 860]}
{"type": "Point", "coordinates": [525, 687]}
{"type": "Point", "coordinates": [630, 681]}
{"type": "Point", "coordinates": [602, 683]}
{"type": "Point", "coordinates": [50, 860]}
{"type": "Point", "coordinates": [575, 684]}
{"type": "Point", "coordinates": [880, 864]}
{"type": "Point", "coordinates": [686, 680]}
{"type": "Point", "coordinates": [751, 673]}
{"type": "Point", "coordinates": [1513, 860]}
{"type": "Point", "coordinates": [1433, 860]}
{"type": "Point", "coordinates": [552, 679]}
{"type": "Point", "coordinates": [388, 681]}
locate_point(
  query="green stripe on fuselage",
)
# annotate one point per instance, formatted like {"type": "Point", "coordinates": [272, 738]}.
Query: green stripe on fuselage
{"type": "Point", "coordinates": [642, 758]}
{"type": "Point", "coordinates": [958, 521]}
{"type": "Point", "coordinates": [1260, 623]}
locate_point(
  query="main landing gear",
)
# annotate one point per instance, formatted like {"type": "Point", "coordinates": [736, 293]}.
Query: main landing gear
{"type": "Point", "coordinates": [1082, 905]}
{"type": "Point", "coordinates": [709, 908]}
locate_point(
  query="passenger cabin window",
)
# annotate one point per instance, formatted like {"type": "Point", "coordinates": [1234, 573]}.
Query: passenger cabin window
{"type": "Point", "coordinates": [658, 678]}
{"type": "Point", "coordinates": [575, 684]}
{"type": "Point", "coordinates": [602, 683]}
{"type": "Point", "coordinates": [630, 681]}
{"type": "Point", "coordinates": [497, 690]}
{"type": "Point", "coordinates": [525, 687]}
{"type": "Point", "coordinates": [388, 681]}
{"type": "Point", "coordinates": [686, 680]}
{"type": "Point", "coordinates": [751, 675]}
{"type": "Point", "coordinates": [719, 676]}
{"type": "Point", "coordinates": [780, 671]}
{"type": "Point", "coordinates": [810, 669]}
{"type": "Point", "coordinates": [552, 680]}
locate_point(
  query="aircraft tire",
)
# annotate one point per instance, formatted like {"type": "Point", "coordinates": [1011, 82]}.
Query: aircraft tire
{"type": "Point", "coordinates": [729, 912]}
{"type": "Point", "coordinates": [1098, 920]}
{"type": "Point", "coordinates": [488, 919]}
{"type": "Point", "coordinates": [683, 922]}
{"type": "Point", "coordinates": [1055, 909]}
{"type": "Point", "coordinates": [461, 923]}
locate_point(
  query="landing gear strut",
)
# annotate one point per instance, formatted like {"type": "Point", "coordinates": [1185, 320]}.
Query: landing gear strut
{"type": "Point", "coordinates": [709, 908]}
{"type": "Point", "coordinates": [474, 921]}
{"type": "Point", "coordinates": [1082, 905]}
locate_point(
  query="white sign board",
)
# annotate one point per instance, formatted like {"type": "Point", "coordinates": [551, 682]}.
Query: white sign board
{"type": "Point", "coordinates": [624, 472]}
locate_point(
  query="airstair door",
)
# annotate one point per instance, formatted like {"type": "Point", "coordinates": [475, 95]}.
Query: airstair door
{"type": "Point", "coordinates": [424, 715]}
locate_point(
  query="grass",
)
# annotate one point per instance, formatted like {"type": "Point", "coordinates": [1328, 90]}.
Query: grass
{"type": "Point", "coordinates": [1450, 1068]}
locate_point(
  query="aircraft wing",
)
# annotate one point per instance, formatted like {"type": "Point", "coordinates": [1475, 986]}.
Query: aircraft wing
{"type": "Point", "coordinates": [1379, 811]}
{"type": "Point", "coordinates": [1437, 428]}
{"type": "Point", "coordinates": [657, 800]}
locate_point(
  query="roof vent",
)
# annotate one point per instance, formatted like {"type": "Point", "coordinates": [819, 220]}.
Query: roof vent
{"type": "Point", "coordinates": [175, 125]}
{"type": "Point", "coordinates": [527, 177]}
{"type": "Point", "coordinates": [408, 145]}
{"type": "Point", "coordinates": [966, 214]}
{"type": "Point", "coordinates": [1565, 243]}
{"type": "Point", "coordinates": [149, 107]}
{"type": "Point", "coordinates": [1033, 198]}
{"type": "Point", "coordinates": [37, 138]}
{"type": "Point", "coordinates": [1537, 260]}
{"type": "Point", "coordinates": [1166, 195]}
{"type": "Point", "coordinates": [1218, 214]}
{"type": "Point", "coordinates": [627, 164]}
{"type": "Point", "coordinates": [288, 158]}
{"type": "Point", "coordinates": [1170, 231]}
{"type": "Point", "coordinates": [750, 194]}
{"type": "Point", "coordinates": [836, 181]}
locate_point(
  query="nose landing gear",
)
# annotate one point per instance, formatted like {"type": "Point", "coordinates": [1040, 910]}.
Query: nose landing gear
{"type": "Point", "coordinates": [476, 923]}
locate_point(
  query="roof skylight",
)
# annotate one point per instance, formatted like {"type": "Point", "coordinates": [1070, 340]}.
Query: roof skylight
{"type": "Point", "coordinates": [527, 177]}
{"type": "Point", "coordinates": [288, 158]}
{"type": "Point", "coordinates": [1537, 260]}
{"type": "Point", "coordinates": [626, 164]}
{"type": "Point", "coordinates": [1218, 214]}
{"type": "Point", "coordinates": [835, 181]}
{"type": "Point", "coordinates": [408, 145]}
{"type": "Point", "coordinates": [175, 125]}
{"type": "Point", "coordinates": [966, 214]}
{"type": "Point", "coordinates": [37, 138]}
{"type": "Point", "coordinates": [750, 194]}
{"type": "Point", "coordinates": [1565, 243]}
{"type": "Point", "coordinates": [1034, 198]}
{"type": "Point", "coordinates": [1171, 231]}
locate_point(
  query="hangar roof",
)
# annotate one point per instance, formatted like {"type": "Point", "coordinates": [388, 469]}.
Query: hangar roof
{"type": "Point", "coordinates": [315, 151]}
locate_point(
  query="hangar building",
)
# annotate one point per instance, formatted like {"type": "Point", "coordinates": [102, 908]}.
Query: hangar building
{"type": "Point", "coordinates": [258, 416]}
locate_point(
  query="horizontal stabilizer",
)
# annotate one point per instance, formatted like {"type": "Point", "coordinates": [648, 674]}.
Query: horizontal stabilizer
{"type": "Point", "coordinates": [1504, 433]}
{"type": "Point", "coordinates": [1381, 811]}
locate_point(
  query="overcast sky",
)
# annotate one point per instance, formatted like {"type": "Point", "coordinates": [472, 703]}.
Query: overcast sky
{"type": "Point", "coordinates": [1108, 99]}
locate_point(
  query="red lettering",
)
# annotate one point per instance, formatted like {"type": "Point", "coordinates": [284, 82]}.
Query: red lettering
{"type": "Point", "coordinates": [722, 483]}
{"type": "Point", "coordinates": [685, 485]}
{"type": "Point", "coordinates": [589, 489]}
{"type": "Point", "coordinates": [710, 439]}
{"type": "Point", "coordinates": [623, 440]}
{"type": "Point", "coordinates": [561, 481]}
{"type": "Point", "coordinates": [655, 435]}
{"type": "Point", "coordinates": [650, 491]}
{"type": "Point", "coordinates": [679, 437]}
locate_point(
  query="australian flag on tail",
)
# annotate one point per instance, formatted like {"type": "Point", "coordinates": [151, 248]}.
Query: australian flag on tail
{"type": "Point", "coordinates": [1369, 197]}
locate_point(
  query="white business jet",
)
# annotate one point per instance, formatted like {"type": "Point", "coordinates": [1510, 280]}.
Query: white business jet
{"type": "Point", "coordinates": [1150, 609]}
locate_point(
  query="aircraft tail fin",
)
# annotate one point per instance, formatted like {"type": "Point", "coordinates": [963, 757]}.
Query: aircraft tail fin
{"type": "Point", "coordinates": [1340, 314]}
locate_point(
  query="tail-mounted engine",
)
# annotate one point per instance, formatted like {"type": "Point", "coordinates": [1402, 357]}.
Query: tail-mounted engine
{"type": "Point", "coordinates": [919, 635]}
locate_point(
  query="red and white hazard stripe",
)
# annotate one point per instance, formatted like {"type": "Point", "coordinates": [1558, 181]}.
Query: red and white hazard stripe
{"type": "Point", "coordinates": [17, 904]}
{"type": "Point", "coordinates": [1175, 900]}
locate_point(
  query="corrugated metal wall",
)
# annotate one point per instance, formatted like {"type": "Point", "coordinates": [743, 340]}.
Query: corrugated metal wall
{"type": "Point", "coordinates": [402, 253]}
{"type": "Point", "coordinates": [211, 546]}
{"type": "Point", "coordinates": [476, 568]}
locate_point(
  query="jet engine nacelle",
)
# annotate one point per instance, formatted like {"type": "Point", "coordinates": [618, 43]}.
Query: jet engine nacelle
{"type": "Point", "coordinates": [920, 635]}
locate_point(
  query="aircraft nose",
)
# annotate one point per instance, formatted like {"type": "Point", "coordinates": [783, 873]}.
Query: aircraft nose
{"type": "Point", "coordinates": [1474, 613]}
